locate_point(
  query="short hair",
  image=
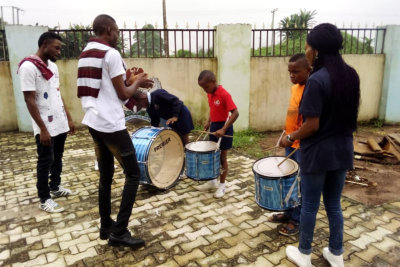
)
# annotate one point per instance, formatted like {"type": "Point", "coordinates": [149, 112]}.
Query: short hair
{"type": "Point", "coordinates": [48, 36]}
{"type": "Point", "coordinates": [206, 74]}
{"type": "Point", "coordinates": [101, 22]}
{"type": "Point", "coordinates": [300, 57]}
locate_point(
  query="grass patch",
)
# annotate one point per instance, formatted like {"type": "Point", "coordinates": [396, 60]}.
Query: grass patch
{"type": "Point", "coordinates": [247, 141]}
{"type": "Point", "coordinates": [375, 123]}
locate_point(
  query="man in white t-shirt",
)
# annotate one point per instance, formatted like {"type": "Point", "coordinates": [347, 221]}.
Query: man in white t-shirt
{"type": "Point", "coordinates": [50, 118]}
{"type": "Point", "coordinates": [103, 91]}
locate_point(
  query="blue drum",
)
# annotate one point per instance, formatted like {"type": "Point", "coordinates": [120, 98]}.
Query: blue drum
{"type": "Point", "coordinates": [277, 187]}
{"type": "Point", "coordinates": [160, 155]}
{"type": "Point", "coordinates": [202, 160]}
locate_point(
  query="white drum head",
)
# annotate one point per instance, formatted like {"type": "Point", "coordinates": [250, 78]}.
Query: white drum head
{"type": "Point", "coordinates": [165, 159]}
{"type": "Point", "coordinates": [268, 167]}
{"type": "Point", "coordinates": [202, 146]}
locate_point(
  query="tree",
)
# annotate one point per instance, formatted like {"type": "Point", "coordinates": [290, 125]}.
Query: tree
{"type": "Point", "coordinates": [147, 43]}
{"type": "Point", "coordinates": [302, 20]}
{"type": "Point", "coordinates": [75, 39]}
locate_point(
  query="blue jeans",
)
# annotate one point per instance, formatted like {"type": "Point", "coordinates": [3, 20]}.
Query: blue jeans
{"type": "Point", "coordinates": [330, 184]}
{"type": "Point", "coordinates": [118, 145]}
{"type": "Point", "coordinates": [293, 213]}
{"type": "Point", "coordinates": [49, 165]}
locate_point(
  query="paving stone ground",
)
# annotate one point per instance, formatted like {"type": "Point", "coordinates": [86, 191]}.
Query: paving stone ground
{"type": "Point", "coordinates": [181, 226]}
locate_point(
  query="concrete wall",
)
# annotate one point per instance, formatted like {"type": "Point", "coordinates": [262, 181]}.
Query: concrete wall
{"type": "Point", "coordinates": [8, 117]}
{"type": "Point", "coordinates": [178, 76]}
{"type": "Point", "coordinates": [270, 89]}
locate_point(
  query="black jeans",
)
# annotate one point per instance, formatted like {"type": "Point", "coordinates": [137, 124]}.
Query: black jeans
{"type": "Point", "coordinates": [118, 145]}
{"type": "Point", "coordinates": [49, 162]}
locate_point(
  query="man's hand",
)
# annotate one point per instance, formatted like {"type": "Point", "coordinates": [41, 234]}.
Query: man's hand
{"type": "Point", "coordinates": [143, 81]}
{"type": "Point", "coordinates": [131, 75]}
{"type": "Point", "coordinates": [45, 137]}
{"type": "Point", "coordinates": [171, 120]}
{"type": "Point", "coordinates": [71, 127]}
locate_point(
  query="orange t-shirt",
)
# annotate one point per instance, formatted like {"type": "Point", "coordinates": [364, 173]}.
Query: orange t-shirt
{"type": "Point", "coordinates": [293, 118]}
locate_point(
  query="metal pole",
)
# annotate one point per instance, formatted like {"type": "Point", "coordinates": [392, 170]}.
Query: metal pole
{"type": "Point", "coordinates": [18, 15]}
{"type": "Point", "coordinates": [166, 41]}
{"type": "Point", "coordinates": [2, 19]}
{"type": "Point", "coordinates": [273, 32]}
{"type": "Point", "coordinates": [13, 15]}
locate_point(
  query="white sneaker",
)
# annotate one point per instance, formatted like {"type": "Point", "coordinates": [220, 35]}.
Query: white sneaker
{"type": "Point", "coordinates": [50, 206]}
{"type": "Point", "coordinates": [220, 191]}
{"type": "Point", "coordinates": [298, 258]}
{"type": "Point", "coordinates": [208, 186]}
{"type": "Point", "coordinates": [334, 261]}
{"type": "Point", "coordinates": [61, 192]}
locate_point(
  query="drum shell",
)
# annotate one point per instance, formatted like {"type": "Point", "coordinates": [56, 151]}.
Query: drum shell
{"type": "Point", "coordinates": [270, 192]}
{"type": "Point", "coordinates": [202, 165]}
{"type": "Point", "coordinates": [142, 140]}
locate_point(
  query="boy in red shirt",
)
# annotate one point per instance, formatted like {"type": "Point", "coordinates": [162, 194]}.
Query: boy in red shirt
{"type": "Point", "coordinates": [221, 103]}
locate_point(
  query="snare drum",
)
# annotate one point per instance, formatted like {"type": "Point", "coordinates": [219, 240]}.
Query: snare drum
{"type": "Point", "coordinates": [277, 188]}
{"type": "Point", "coordinates": [160, 155]}
{"type": "Point", "coordinates": [202, 160]}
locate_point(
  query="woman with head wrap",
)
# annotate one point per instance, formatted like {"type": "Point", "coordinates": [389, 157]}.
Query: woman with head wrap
{"type": "Point", "coordinates": [329, 108]}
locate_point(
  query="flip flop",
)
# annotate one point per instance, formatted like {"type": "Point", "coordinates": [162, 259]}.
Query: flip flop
{"type": "Point", "coordinates": [289, 229]}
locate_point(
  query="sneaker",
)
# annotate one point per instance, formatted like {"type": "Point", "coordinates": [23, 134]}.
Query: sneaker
{"type": "Point", "coordinates": [61, 192]}
{"type": "Point", "coordinates": [298, 258]}
{"type": "Point", "coordinates": [50, 206]}
{"type": "Point", "coordinates": [334, 261]}
{"type": "Point", "coordinates": [209, 186]}
{"type": "Point", "coordinates": [220, 192]}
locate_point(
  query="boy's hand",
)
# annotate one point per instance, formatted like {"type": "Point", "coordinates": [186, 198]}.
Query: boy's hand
{"type": "Point", "coordinates": [171, 120]}
{"type": "Point", "coordinates": [220, 132]}
{"type": "Point", "coordinates": [207, 126]}
{"type": "Point", "coordinates": [284, 142]}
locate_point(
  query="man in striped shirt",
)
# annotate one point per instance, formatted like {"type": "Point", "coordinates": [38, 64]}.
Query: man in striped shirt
{"type": "Point", "coordinates": [103, 91]}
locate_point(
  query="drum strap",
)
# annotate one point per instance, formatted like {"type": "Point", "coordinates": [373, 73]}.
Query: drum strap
{"type": "Point", "coordinates": [292, 188]}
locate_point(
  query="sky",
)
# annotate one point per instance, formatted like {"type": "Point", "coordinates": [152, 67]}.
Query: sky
{"type": "Point", "coordinates": [203, 13]}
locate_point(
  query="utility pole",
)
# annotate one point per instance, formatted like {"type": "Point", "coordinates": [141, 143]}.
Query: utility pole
{"type": "Point", "coordinates": [166, 42]}
{"type": "Point", "coordinates": [14, 11]}
{"type": "Point", "coordinates": [273, 32]}
{"type": "Point", "coordinates": [273, 17]}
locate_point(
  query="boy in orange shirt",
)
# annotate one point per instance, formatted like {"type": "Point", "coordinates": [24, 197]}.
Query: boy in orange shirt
{"type": "Point", "coordinates": [299, 71]}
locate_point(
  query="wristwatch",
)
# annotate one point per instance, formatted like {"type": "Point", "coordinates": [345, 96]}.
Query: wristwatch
{"type": "Point", "coordinates": [289, 139]}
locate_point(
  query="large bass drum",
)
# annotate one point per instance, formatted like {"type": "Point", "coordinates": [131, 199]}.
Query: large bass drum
{"type": "Point", "coordinates": [160, 155]}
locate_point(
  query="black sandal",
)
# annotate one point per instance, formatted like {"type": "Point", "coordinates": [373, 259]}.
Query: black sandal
{"type": "Point", "coordinates": [289, 229]}
{"type": "Point", "coordinates": [279, 218]}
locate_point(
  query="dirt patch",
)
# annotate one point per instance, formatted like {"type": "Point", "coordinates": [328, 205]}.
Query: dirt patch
{"type": "Point", "coordinates": [386, 177]}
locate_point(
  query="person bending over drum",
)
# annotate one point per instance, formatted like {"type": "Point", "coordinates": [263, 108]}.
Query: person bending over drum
{"type": "Point", "coordinates": [162, 105]}
{"type": "Point", "coordinates": [221, 103]}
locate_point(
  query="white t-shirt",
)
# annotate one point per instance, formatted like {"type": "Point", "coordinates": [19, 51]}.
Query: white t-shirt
{"type": "Point", "coordinates": [48, 97]}
{"type": "Point", "coordinates": [106, 114]}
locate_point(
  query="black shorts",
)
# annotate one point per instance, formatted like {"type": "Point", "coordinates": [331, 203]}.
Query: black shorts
{"type": "Point", "coordinates": [226, 142]}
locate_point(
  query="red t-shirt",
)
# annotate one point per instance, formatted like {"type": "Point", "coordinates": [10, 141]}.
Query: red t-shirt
{"type": "Point", "coordinates": [221, 104]}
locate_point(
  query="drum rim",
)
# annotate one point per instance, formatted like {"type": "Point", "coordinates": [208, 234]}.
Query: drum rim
{"type": "Point", "coordinates": [201, 152]}
{"type": "Point", "coordinates": [278, 177]}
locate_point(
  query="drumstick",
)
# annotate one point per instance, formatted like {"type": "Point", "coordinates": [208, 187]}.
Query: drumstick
{"type": "Point", "coordinates": [291, 153]}
{"type": "Point", "coordinates": [230, 136]}
{"type": "Point", "coordinates": [280, 138]}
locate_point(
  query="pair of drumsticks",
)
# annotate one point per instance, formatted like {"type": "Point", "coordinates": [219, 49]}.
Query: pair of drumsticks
{"type": "Point", "coordinates": [277, 145]}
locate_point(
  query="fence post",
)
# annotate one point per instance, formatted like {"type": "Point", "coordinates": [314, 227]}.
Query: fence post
{"type": "Point", "coordinates": [22, 41]}
{"type": "Point", "coordinates": [389, 109]}
{"type": "Point", "coordinates": [233, 43]}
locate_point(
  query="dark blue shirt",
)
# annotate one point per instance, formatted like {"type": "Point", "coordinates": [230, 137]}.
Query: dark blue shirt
{"type": "Point", "coordinates": [163, 105]}
{"type": "Point", "coordinates": [328, 149]}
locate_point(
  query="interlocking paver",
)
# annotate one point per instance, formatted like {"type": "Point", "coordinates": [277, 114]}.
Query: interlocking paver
{"type": "Point", "coordinates": [181, 226]}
